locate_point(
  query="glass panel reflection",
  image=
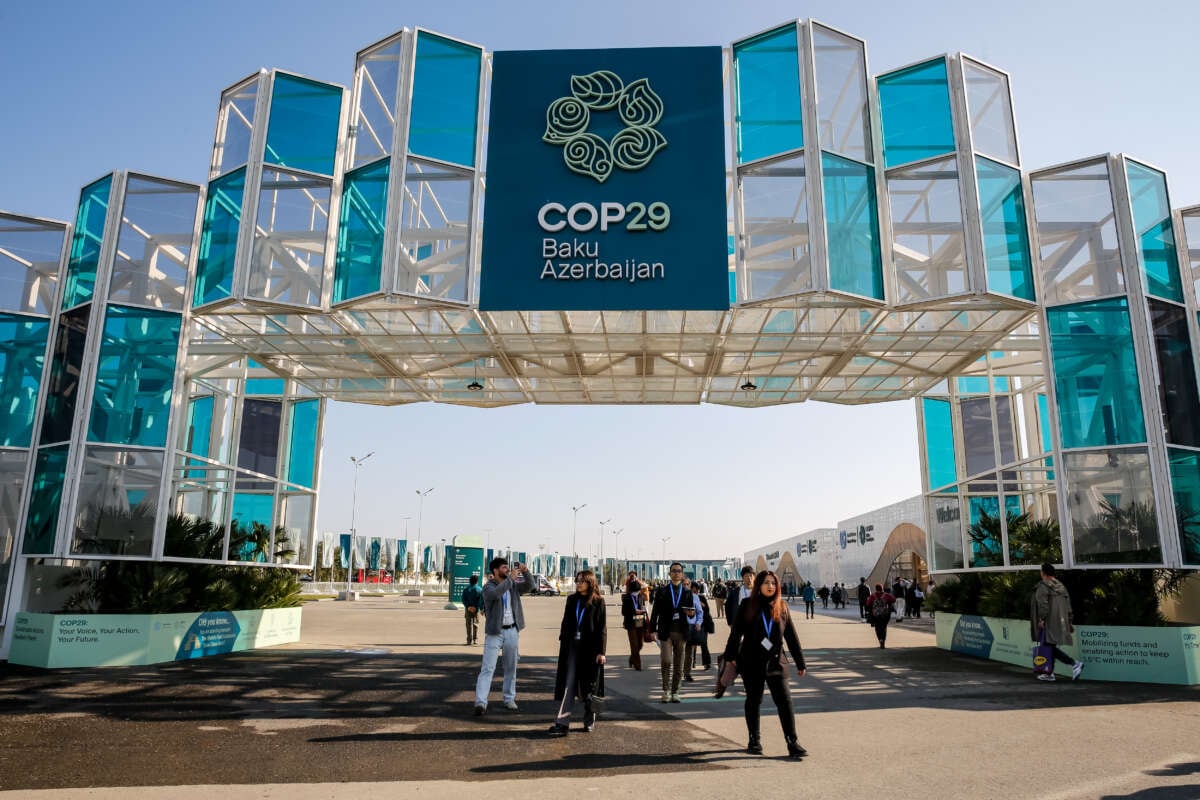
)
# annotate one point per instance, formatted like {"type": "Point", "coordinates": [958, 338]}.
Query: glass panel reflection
{"type": "Point", "coordinates": [990, 106]}
{"type": "Point", "coordinates": [29, 254]}
{"type": "Point", "coordinates": [1112, 507]}
{"type": "Point", "coordinates": [445, 102]}
{"type": "Point", "coordinates": [1005, 237]}
{"type": "Point", "coordinates": [359, 265]}
{"type": "Point", "coordinates": [12, 490]}
{"type": "Point", "coordinates": [1185, 485]}
{"type": "Point", "coordinates": [945, 531]}
{"type": "Point", "coordinates": [434, 223]}
{"type": "Point", "coordinates": [85, 244]}
{"type": "Point", "coordinates": [842, 119]}
{"type": "Point", "coordinates": [375, 117]}
{"type": "Point", "coordinates": [775, 213]}
{"type": "Point", "coordinates": [45, 496]}
{"type": "Point", "coordinates": [303, 128]}
{"type": "Point", "coordinates": [22, 358]}
{"type": "Point", "coordinates": [914, 104]}
{"type": "Point", "coordinates": [928, 239]}
{"type": "Point", "coordinates": [1155, 232]}
{"type": "Point", "coordinates": [118, 502]}
{"type": "Point", "coordinates": [218, 238]}
{"type": "Point", "coordinates": [288, 262]}
{"type": "Point", "coordinates": [62, 392]}
{"type": "Point", "coordinates": [154, 244]}
{"type": "Point", "coordinates": [302, 445]}
{"type": "Point", "coordinates": [232, 149]}
{"type": "Point", "coordinates": [852, 222]}
{"type": "Point", "coordinates": [1177, 373]}
{"type": "Point", "coordinates": [767, 70]}
{"type": "Point", "coordinates": [940, 461]}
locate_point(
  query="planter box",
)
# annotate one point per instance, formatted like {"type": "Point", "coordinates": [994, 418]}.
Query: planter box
{"type": "Point", "coordinates": [56, 641]}
{"type": "Point", "coordinates": [1111, 652]}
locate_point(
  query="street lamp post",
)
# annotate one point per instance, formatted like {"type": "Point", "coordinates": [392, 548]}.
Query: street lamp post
{"type": "Point", "coordinates": [617, 549]}
{"type": "Point", "coordinates": [404, 569]}
{"type": "Point", "coordinates": [664, 541]}
{"type": "Point", "coordinates": [601, 558]}
{"type": "Point", "coordinates": [421, 509]}
{"type": "Point", "coordinates": [357, 462]}
{"type": "Point", "coordinates": [574, 528]}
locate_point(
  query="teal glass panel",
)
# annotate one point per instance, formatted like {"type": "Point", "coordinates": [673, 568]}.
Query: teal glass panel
{"type": "Point", "coordinates": [44, 498]}
{"type": "Point", "coordinates": [984, 533]}
{"type": "Point", "coordinates": [85, 244]}
{"type": "Point", "coordinates": [732, 288]}
{"type": "Point", "coordinates": [262, 386]}
{"type": "Point", "coordinates": [218, 238]}
{"type": "Point", "coordinates": [22, 358]}
{"type": "Point", "coordinates": [361, 231]}
{"type": "Point", "coordinates": [303, 128]}
{"type": "Point", "coordinates": [1043, 406]}
{"type": "Point", "coordinates": [1185, 484]}
{"type": "Point", "coordinates": [973, 385]}
{"type": "Point", "coordinates": [852, 220]}
{"type": "Point", "coordinates": [248, 509]}
{"type": "Point", "coordinates": [1005, 236]}
{"type": "Point", "coordinates": [135, 376]}
{"type": "Point", "coordinates": [62, 392]}
{"type": "Point", "coordinates": [1156, 236]}
{"type": "Point", "coordinates": [199, 432]}
{"type": "Point", "coordinates": [445, 102]}
{"type": "Point", "coordinates": [302, 442]}
{"type": "Point", "coordinates": [1095, 374]}
{"type": "Point", "coordinates": [768, 94]}
{"type": "Point", "coordinates": [942, 467]}
{"type": "Point", "coordinates": [914, 104]}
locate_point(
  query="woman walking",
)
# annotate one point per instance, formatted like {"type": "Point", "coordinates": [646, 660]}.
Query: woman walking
{"type": "Point", "coordinates": [635, 617]}
{"type": "Point", "coordinates": [879, 608]}
{"type": "Point", "coordinates": [755, 646]}
{"type": "Point", "coordinates": [583, 639]}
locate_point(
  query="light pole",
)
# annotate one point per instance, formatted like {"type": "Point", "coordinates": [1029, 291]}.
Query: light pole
{"type": "Point", "coordinates": [664, 541]}
{"type": "Point", "coordinates": [617, 550]}
{"type": "Point", "coordinates": [421, 509]}
{"type": "Point", "coordinates": [574, 528]}
{"type": "Point", "coordinates": [601, 558]}
{"type": "Point", "coordinates": [357, 462]}
{"type": "Point", "coordinates": [399, 569]}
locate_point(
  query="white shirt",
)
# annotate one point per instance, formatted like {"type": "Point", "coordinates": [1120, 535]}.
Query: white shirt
{"type": "Point", "coordinates": [508, 618]}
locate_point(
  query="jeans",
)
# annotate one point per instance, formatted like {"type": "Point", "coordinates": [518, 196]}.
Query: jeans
{"type": "Point", "coordinates": [472, 626]}
{"type": "Point", "coordinates": [492, 645]}
{"type": "Point", "coordinates": [672, 649]}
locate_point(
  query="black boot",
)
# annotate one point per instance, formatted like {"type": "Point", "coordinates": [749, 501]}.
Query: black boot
{"type": "Point", "coordinates": [795, 750]}
{"type": "Point", "coordinates": [754, 746]}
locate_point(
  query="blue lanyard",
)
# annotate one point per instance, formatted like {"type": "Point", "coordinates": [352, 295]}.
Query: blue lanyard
{"type": "Point", "coordinates": [580, 610]}
{"type": "Point", "coordinates": [675, 597]}
{"type": "Point", "coordinates": [768, 624]}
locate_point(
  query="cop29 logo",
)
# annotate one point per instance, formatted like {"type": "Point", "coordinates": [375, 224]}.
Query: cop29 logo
{"type": "Point", "coordinates": [631, 148]}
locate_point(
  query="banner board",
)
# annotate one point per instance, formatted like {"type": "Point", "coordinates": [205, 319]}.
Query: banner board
{"type": "Point", "coordinates": [606, 181]}
{"type": "Point", "coordinates": [57, 641]}
{"type": "Point", "coordinates": [466, 559]}
{"type": "Point", "coordinates": [1110, 653]}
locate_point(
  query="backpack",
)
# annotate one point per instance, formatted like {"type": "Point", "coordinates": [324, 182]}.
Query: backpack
{"type": "Point", "coordinates": [719, 591]}
{"type": "Point", "coordinates": [879, 607]}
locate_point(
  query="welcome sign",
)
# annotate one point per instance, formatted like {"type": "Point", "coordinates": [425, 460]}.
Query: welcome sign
{"type": "Point", "coordinates": [605, 181]}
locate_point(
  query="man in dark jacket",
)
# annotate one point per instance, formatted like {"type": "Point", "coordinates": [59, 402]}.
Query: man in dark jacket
{"type": "Point", "coordinates": [670, 618]}
{"type": "Point", "coordinates": [1050, 620]}
{"type": "Point", "coordinates": [864, 592]}
{"type": "Point", "coordinates": [505, 619]}
{"type": "Point", "coordinates": [737, 595]}
{"type": "Point", "coordinates": [471, 599]}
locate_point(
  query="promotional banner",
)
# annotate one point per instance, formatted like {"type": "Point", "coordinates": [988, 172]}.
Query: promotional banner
{"type": "Point", "coordinates": [606, 181]}
{"type": "Point", "coordinates": [327, 547]}
{"type": "Point", "coordinates": [466, 559]}
{"type": "Point", "coordinates": [344, 550]}
{"type": "Point", "coordinates": [1110, 653]}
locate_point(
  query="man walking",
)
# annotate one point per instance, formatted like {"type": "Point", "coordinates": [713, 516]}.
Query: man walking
{"type": "Point", "coordinates": [671, 617]}
{"type": "Point", "coordinates": [739, 594]}
{"type": "Point", "coordinates": [471, 598]}
{"type": "Point", "coordinates": [1051, 620]}
{"type": "Point", "coordinates": [864, 592]}
{"type": "Point", "coordinates": [505, 620]}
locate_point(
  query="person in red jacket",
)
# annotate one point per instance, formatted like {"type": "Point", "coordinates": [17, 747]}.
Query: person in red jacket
{"type": "Point", "coordinates": [879, 608]}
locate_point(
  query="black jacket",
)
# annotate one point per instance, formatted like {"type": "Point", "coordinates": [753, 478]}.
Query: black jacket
{"type": "Point", "coordinates": [628, 609]}
{"type": "Point", "coordinates": [731, 604]}
{"type": "Point", "coordinates": [662, 616]}
{"type": "Point", "coordinates": [593, 642]}
{"type": "Point", "coordinates": [745, 643]}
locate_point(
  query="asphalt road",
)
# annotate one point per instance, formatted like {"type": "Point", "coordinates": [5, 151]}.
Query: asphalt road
{"type": "Point", "coordinates": [378, 697]}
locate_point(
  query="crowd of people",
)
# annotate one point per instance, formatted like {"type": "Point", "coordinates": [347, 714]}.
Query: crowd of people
{"type": "Point", "coordinates": [678, 616]}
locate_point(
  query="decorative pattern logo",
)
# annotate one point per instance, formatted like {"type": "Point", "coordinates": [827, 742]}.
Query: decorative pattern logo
{"type": "Point", "coordinates": [640, 109]}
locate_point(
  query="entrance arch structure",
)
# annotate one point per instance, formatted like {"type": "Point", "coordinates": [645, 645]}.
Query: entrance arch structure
{"type": "Point", "coordinates": [173, 348]}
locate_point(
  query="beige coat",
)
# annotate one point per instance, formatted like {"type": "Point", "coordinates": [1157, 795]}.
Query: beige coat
{"type": "Point", "coordinates": [1051, 603]}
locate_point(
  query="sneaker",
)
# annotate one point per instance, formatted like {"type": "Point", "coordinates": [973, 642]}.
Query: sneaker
{"type": "Point", "coordinates": [511, 705]}
{"type": "Point", "coordinates": [480, 710]}
{"type": "Point", "coordinates": [1076, 669]}
{"type": "Point", "coordinates": [689, 679]}
{"type": "Point", "coordinates": [557, 730]}
{"type": "Point", "coordinates": [1046, 677]}
{"type": "Point", "coordinates": [666, 698]}
{"type": "Point", "coordinates": [675, 697]}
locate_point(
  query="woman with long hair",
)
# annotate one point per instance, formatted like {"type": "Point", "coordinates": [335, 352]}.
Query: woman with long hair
{"type": "Point", "coordinates": [755, 645]}
{"type": "Point", "coordinates": [582, 641]}
{"type": "Point", "coordinates": [635, 617]}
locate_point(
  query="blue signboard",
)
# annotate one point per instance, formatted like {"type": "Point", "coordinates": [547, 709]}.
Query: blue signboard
{"type": "Point", "coordinates": [606, 181]}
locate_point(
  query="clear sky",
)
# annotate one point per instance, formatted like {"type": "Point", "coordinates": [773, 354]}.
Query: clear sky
{"type": "Point", "coordinates": [91, 87]}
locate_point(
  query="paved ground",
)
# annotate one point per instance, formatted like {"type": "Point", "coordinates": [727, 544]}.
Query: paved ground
{"type": "Point", "coordinates": [377, 698]}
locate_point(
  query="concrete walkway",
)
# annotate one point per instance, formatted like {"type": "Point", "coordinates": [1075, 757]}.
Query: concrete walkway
{"type": "Point", "coordinates": [376, 701]}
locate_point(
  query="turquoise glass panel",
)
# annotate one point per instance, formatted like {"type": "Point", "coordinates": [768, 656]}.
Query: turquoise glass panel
{"type": "Point", "coordinates": [1156, 236]}
{"type": "Point", "coordinates": [852, 220]}
{"type": "Point", "coordinates": [1005, 236]}
{"type": "Point", "coordinates": [218, 238]}
{"type": "Point", "coordinates": [361, 231]}
{"type": "Point", "coordinates": [1095, 374]}
{"type": "Point", "coordinates": [22, 358]}
{"type": "Point", "coordinates": [983, 534]}
{"type": "Point", "coordinates": [303, 128]}
{"type": "Point", "coordinates": [1043, 406]}
{"type": "Point", "coordinates": [199, 433]}
{"type": "Point", "coordinates": [973, 385]}
{"type": "Point", "coordinates": [302, 445]}
{"type": "Point", "coordinates": [914, 104]}
{"type": "Point", "coordinates": [940, 459]}
{"type": "Point", "coordinates": [768, 94]}
{"type": "Point", "coordinates": [247, 510]}
{"type": "Point", "coordinates": [445, 102]}
{"type": "Point", "coordinates": [732, 288]}
{"type": "Point", "coordinates": [1185, 484]}
{"type": "Point", "coordinates": [44, 498]}
{"type": "Point", "coordinates": [135, 376]}
{"type": "Point", "coordinates": [85, 244]}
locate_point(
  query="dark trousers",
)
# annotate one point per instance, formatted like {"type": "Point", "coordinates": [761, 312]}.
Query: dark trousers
{"type": "Point", "coordinates": [635, 647]}
{"type": "Point", "coordinates": [754, 684]}
{"type": "Point", "coordinates": [1059, 655]}
{"type": "Point", "coordinates": [881, 628]}
{"type": "Point", "coordinates": [862, 609]}
{"type": "Point", "coordinates": [809, 609]}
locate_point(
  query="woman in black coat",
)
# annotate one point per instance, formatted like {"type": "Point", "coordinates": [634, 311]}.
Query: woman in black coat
{"type": "Point", "coordinates": [756, 646]}
{"type": "Point", "coordinates": [582, 642]}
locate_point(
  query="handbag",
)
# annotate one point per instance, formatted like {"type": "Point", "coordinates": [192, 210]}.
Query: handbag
{"type": "Point", "coordinates": [1043, 656]}
{"type": "Point", "coordinates": [726, 675]}
{"type": "Point", "coordinates": [595, 697]}
{"type": "Point", "coordinates": [648, 635]}
{"type": "Point", "coordinates": [639, 620]}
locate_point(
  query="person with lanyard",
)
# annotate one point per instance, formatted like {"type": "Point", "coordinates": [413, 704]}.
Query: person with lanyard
{"type": "Point", "coordinates": [755, 646]}
{"type": "Point", "coordinates": [504, 621]}
{"type": "Point", "coordinates": [740, 594]}
{"type": "Point", "coordinates": [670, 618]}
{"type": "Point", "coordinates": [582, 642]}
{"type": "Point", "coordinates": [634, 619]}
